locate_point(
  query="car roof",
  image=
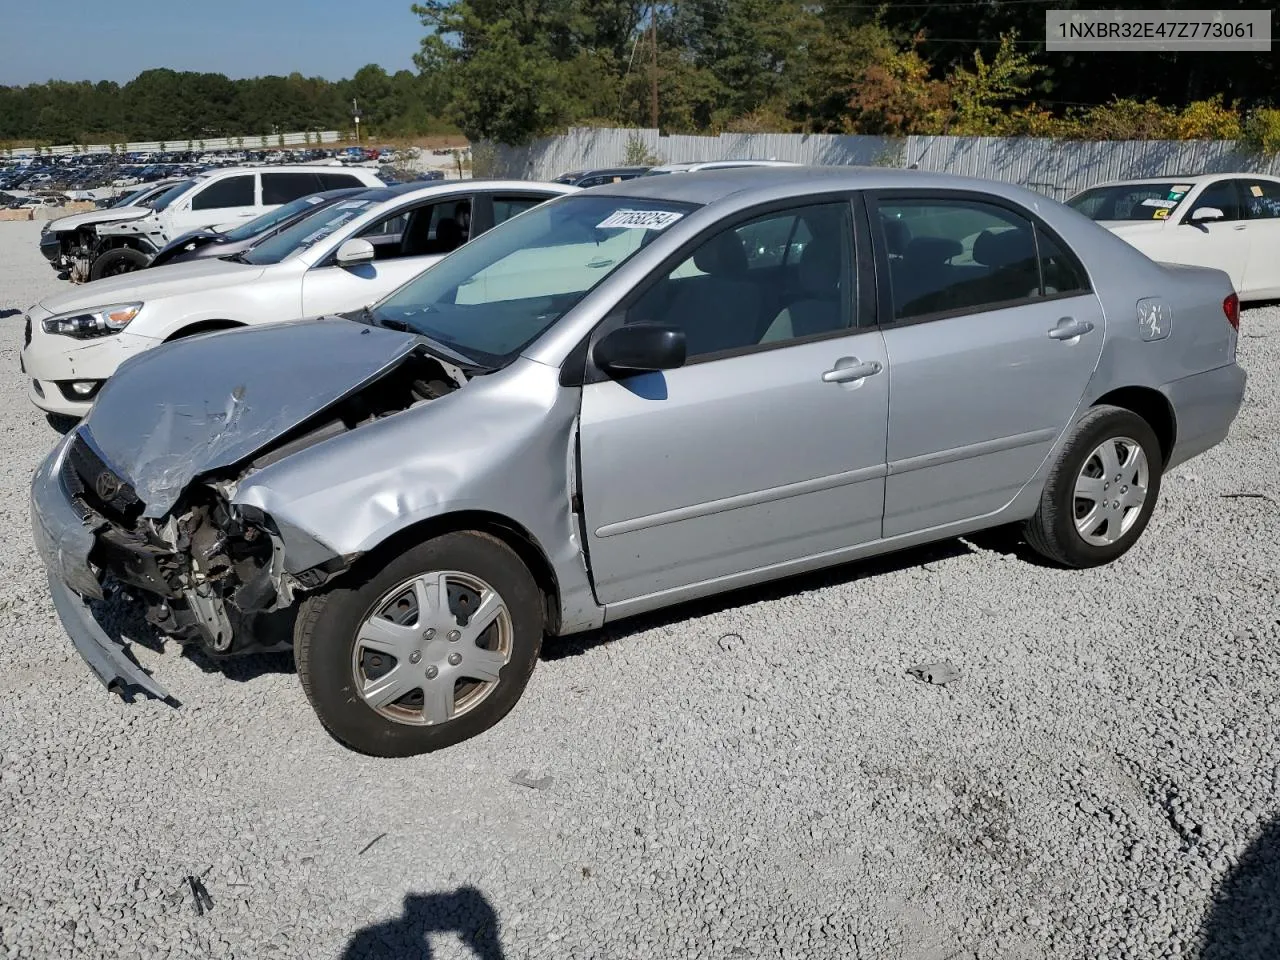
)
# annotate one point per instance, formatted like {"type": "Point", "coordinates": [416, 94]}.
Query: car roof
{"type": "Point", "coordinates": [1193, 179]}
{"type": "Point", "coordinates": [427, 189]}
{"type": "Point", "coordinates": [710, 186]}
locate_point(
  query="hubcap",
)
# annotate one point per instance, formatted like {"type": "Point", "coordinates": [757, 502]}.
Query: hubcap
{"type": "Point", "coordinates": [1110, 491]}
{"type": "Point", "coordinates": [432, 648]}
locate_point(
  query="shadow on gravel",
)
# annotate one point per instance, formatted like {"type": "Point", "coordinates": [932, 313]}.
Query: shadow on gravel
{"type": "Point", "coordinates": [61, 422]}
{"type": "Point", "coordinates": [1243, 922]}
{"type": "Point", "coordinates": [577, 644]}
{"type": "Point", "coordinates": [6, 314]}
{"type": "Point", "coordinates": [465, 913]}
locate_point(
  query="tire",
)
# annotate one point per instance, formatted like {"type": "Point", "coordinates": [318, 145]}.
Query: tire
{"type": "Point", "coordinates": [335, 667]}
{"type": "Point", "coordinates": [1055, 531]}
{"type": "Point", "coordinates": [118, 261]}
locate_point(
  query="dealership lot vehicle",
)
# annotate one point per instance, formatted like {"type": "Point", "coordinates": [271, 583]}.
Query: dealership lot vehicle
{"type": "Point", "coordinates": [217, 198]}
{"type": "Point", "coordinates": [211, 242]}
{"type": "Point", "coordinates": [694, 167]}
{"type": "Point", "coordinates": [343, 257]}
{"type": "Point", "coordinates": [1227, 221]}
{"type": "Point", "coordinates": [623, 353]}
{"type": "Point", "coordinates": [600, 176]}
{"type": "Point", "coordinates": [67, 243]}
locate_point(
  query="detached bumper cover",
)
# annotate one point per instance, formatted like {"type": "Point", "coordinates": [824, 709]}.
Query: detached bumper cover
{"type": "Point", "coordinates": [63, 541]}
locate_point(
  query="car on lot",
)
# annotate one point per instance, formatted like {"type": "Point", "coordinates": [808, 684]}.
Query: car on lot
{"type": "Point", "coordinates": [604, 406]}
{"type": "Point", "coordinates": [212, 242]}
{"type": "Point", "coordinates": [340, 258]}
{"type": "Point", "coordinates": [694, 167]}
{"type": "Point", "coordinates": [1227, 221]}
{"type": "Point", "coordinates": [67, 242]}
{"type": "Point", "coordinates": [221, 198]}
{"type": "Point", "coordinates": [600, 176]}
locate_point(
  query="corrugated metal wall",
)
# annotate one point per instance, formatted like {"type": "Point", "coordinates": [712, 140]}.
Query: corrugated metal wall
{"type": "Point", "coordinates": [1054, 167]}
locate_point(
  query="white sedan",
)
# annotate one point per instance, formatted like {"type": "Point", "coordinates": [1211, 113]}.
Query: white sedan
{"type": "Point", "coordinates": [341, 258]}
{"type": "Point", "coordinates": [1228, 221]}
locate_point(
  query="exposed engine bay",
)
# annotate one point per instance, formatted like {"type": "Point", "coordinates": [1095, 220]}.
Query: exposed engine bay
{"type": "Point", "coordinates": [209, 571]}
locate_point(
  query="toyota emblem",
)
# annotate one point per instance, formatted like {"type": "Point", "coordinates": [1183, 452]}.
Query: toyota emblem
{"type": "Point", "coordinates": [107, 485]}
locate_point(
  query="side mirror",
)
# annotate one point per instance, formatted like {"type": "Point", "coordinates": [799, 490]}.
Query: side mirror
{"type": "Point", "coordinates": [640, 348]}
{"type": "Point", "coordinates": [1207, 213]}
{"type": "Point", "coordinates": [354, 251]}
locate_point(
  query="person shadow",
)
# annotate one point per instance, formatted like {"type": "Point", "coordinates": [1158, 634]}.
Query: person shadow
{"type": "Point", "coordinates": [465, 912]}
{"type": "Point", "coordinates": [1243, 922]}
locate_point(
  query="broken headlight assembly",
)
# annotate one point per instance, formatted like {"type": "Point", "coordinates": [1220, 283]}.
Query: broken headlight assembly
{"type": "Point", "coordinates": [98, 322]}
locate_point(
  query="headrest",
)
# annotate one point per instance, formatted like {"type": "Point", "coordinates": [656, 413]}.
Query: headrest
{"type": "Point", "coordinates": [449, 233]}
{"type": "Point", "coordinates": [722, 256]}
{"type": "Point", "coordinates": [896, 235]}
{"type": "Point", "coordinates": [930, 251]}
{"type": "Point", "coordinates": [1002, 249]}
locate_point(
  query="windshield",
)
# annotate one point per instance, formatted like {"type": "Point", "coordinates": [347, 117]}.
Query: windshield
{"type": "Point", "coordinates": [1131, 201]}
{"type": "Point", "coordinates": [257, 225]}
{"type": "Point", "coordinates": [492, 297]}
{"type": "Point", "coordinates": [308, 231]}
{"type": "Point", "coordinates": [170, 195]}
{"type": "Point", "coordinates": [129, 199]}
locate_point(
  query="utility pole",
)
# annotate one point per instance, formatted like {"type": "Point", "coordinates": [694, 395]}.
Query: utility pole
{"type": "Point", "coordinates": [653, 66]}
{"type": "Point", "coordinates": [355, 115]}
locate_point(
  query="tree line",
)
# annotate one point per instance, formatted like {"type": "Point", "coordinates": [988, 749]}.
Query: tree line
{"type": "Point", "coordinates": [170, 105]}
{"type": "Point", "coordinates": [513, 69]}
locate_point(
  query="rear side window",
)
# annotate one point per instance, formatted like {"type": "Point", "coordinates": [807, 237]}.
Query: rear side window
{"type": "Point", "coordinates": [1061, 273]}
{"type": "Point", "coordinates": [339, 181]}
{"type": "Point", "coordinates": [1262, 198]}
{"type": "Point", "coordinates": [231, 192]}
{"type": "Point", "coordinates": [957, 255]}
{"type": "Point", "coordinates": [285, 187]}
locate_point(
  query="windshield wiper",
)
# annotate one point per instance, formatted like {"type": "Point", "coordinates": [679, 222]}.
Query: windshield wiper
{"type": "Point", "coordinates": [236, 257]}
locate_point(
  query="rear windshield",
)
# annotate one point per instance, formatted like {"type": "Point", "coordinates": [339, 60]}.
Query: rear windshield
{"type": "Point", "coordinates": [1131, 201]}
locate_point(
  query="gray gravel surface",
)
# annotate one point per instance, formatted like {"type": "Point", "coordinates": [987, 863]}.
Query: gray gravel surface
{"type": "Point", "coordinates": [754, 777]}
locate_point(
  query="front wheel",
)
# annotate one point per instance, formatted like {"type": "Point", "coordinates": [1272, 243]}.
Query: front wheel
{"type": "Point", "coordinates": [432, 648]}
{"type": "Point", "coordinates": [1100, 494]}
{"type": "Point", "coordinates": [118, 261]}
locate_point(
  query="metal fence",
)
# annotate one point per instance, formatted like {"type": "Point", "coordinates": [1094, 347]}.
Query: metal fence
{"type": "Point", "coordinates": [264, 142]}
{"type": "Point", "coordinates": [1056, 168]}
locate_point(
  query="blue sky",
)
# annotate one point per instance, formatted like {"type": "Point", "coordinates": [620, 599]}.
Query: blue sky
{"type": "Point", "coordinates": [93, 40]}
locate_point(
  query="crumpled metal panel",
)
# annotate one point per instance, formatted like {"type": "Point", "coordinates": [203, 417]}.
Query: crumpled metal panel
{"type": "Point", "coordinates": [178, 411]}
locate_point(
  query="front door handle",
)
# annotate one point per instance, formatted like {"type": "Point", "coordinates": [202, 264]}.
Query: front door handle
{"type": "Point", "coordinates": [1069, 328]}
{"type": "Point", "coordinates": [849, 369]}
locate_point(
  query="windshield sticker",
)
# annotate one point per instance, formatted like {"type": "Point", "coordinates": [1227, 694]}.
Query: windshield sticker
{"type": "Point", "coordinates": [1156, 202]}
{"type": "Point", "coordinates": [1180, 187]}
{"type": "Point", "coordinates": [1256, 190]}
{"type": "Point", "coordinates": [351, 205]}
{"type": "Point", "coordinates": [314, 200]}
{"type": "Point", "coordinates": [639, 220]}
{"type": "Point", "coordinates": [1161, 214]}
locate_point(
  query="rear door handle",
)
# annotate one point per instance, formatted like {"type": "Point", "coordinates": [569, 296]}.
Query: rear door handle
{"type": "Point", "coordinates": [1069, 328]}
{"type": "Point", "coordinates": [1240, 226]}
{"type": "Point", "coordinates": [849, 369]}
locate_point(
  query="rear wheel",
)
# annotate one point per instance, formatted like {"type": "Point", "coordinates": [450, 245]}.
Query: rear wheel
{"type": "Point", "coordinates": [1100, 494]}
{"type": "Point", "coordinates": [430, 649]}
{"type": "Point", "coordinates": [118, 261]}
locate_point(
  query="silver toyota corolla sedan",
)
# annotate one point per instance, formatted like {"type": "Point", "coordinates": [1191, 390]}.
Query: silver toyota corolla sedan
{"type": "Point", "coordinates": [623, 399]}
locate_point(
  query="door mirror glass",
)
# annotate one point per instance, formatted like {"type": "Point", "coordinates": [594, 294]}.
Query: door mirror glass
{"type": "Point", "coordinates": [354, 251]}
{"type": "Point", "coordinates": [1207, 213]}
{"type": "Point", "coordinates": [640, 348]}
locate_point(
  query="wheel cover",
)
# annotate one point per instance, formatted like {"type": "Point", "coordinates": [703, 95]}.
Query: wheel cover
{"type": "Point", "coordinates": [431, 648]}
{"type": "Point", "coordinates": [1110, 491]}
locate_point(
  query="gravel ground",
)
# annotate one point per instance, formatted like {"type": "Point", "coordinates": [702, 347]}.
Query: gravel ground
{"type": "Point", "coordinates": [753, 777]}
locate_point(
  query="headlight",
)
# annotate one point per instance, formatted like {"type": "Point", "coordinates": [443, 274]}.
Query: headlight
{"type": "Point", "coordinates": [98, 322]}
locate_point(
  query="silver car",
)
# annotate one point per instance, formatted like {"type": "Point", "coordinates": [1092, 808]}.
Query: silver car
{"type": "Point", "coordinates": [626, 398]}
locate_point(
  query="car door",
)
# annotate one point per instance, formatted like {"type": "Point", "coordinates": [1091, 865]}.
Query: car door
{"type": "Point", "coordinates": [1223, 242]}
{"type": "Point", "coordinates": [1262, 206]}
{"type": "Point", "coordinates": [227, 200]}
{"type": "Point", "coordinates": [407, 240]}
{"type": "Point", "coordinates": [767, 446]}
{"type": "Point", "coordinates": [989, 345]}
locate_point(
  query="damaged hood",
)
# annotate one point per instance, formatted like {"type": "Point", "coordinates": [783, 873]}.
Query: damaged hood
{"type": "Point", "coordinates": [144, 286]}
{"type": "Point", "coordinates": [78, 220]}
{"type": "Point", "coordinates": [196, 405]}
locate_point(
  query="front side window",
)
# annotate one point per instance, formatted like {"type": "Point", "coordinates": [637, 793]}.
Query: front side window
{"type": "Point", "coordinates": [225, 194]}
{"type": "Point", "coordinates": [780, 277]}
{"type": "Point", "coordinates": [504, 289]}
{"type": "Point", "coordinates": [957, 255]}
{"type": "Point", "coordinates": [426, 230]}
{"type": "Point", "coordinates": [1220, 195]}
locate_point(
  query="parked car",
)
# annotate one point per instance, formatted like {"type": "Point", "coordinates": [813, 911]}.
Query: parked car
{"type": "Point", "coordinates": [596, 178]}
{"type": "Point", "coordinates": [68, 242]}
{"type": "Point", "coordinates": [218, 198]}
{"type": "Point", "coordinates": [202, 244]}
{"type": "Point", "coordinates": [1227, 221]}
{"type": "Point", "coordinates": [712, 165]}
{"type": "Point", "coordinates": [341, 258]}
{"type": "Point", "coordinates": [601, 408]}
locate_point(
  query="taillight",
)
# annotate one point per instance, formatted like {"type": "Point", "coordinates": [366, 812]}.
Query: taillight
{"type": "Point", "coordinates": [1231, 307]}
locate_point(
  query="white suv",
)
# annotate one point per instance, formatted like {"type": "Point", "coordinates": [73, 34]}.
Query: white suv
{"type": "Point", "coordinates": [216, 198]}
